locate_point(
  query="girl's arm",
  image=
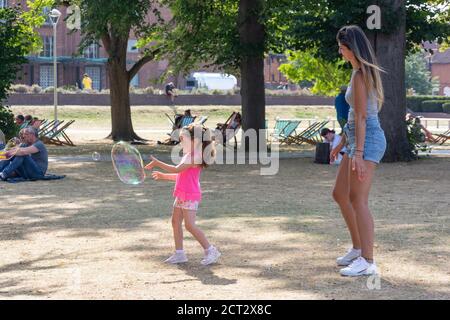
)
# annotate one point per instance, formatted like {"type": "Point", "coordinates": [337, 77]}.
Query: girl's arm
{"type": "Point", "coordinates": [167, 167]}
{"type": "Point", "coordinates": [164, 176]}
{"type": "Point", "coordinates": [360, 100]}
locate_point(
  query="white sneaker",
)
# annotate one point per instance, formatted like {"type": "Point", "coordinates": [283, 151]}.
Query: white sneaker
{"type": "Point", "coordinates": [359, 267]}
{"type": "Point", "coordinates": [211, 257]}
{"type": "Point", "coordinates": [177, 258]}
{"type": "Point", "coordinates": [351, 255]}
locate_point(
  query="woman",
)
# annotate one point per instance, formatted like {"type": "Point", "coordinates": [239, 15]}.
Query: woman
{"type": "Point", "coordinates": [366, 145]}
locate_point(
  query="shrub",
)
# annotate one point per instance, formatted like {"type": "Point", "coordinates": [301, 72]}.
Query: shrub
{"type": "Point", "coordinates": [446, 107]}
{"type": "Point", "coordinates": [7, 124]}
{"type": "Point", "coordinates": [432, 105]}
{"type": "Point", "coordinates": [35, 89]}
{"type": "Point", "coordinates": [415, 102]}
{"type": "Point", "coordinates": [49, 89]}
{"type": "Point", "coordinates": [19, 88]}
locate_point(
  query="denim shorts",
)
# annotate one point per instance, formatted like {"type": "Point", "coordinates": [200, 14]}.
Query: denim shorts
{"type": "Point", "coordinates": [375, 143]}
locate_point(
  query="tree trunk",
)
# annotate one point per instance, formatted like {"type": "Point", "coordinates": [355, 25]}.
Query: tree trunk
{"type": "Point", "coordinates": [390, 51]}
{"type": "Point", "coordinates": [252, 36]}
{"type": "Point", "coordinates": [122, 127]}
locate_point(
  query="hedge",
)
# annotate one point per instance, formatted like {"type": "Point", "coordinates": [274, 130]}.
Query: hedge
{"type": "Point", "coordinates": [433, 105]}
{"type": "Point", "coordinates": [446, 107]}
{"type": "Point", "coordinates": [415, 102]}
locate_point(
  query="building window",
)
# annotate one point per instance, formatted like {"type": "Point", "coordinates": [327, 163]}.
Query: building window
{"type": "Point", "coordinates": [135, 81]}
{"type": "Point", "coordinates": [47, 50]}
{"type": "Point", "coordinates": [3, 4]}
{"type": "Point", "coordinates": [95, 73]}
{"type": "Point", "coordinates": [48, 20]}
{"type": "Point", "coordinates": [273, 77]}
{"type": "Point", "coordinates": [46, 76]}
{"type": "Point", "coordinates": [132, 46]}
{"type": "Point", "coordinates": [92, 51]}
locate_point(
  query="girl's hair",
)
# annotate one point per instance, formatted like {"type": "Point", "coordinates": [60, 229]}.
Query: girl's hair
{"type": "Point", "coordinates": [204, 135]}
{"type": "Point", "coordinates": [353, 37]}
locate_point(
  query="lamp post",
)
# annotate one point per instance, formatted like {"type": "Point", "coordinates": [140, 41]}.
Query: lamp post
{"type": "Point", "coordinates": [54, 17]}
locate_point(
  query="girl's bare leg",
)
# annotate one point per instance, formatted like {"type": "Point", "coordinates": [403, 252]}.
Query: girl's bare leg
{"type": "Point", "coordinates": [177, 221]}
{"type": "Point", "coordinates": [189, 223]}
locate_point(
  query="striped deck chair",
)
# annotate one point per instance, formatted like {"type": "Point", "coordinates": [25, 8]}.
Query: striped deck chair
{"type": "Point", "coordinates": [186, 120]}
{"type": "Point", "coordinates": [178, 123]}
{"type": "Point", "coordinates": [58, 135]}
{"type": "Point", "coordinates": [310, 135]}
{"type": "Point", "coordinates": [230, 128]}
{"type": "Point", "coordinates": [441, 138]}
{"type": "Point", "coordinates": [284, 130]}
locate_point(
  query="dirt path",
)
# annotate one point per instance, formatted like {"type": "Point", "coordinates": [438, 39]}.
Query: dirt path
{"type": "Point", "coordinates": [89, 236]}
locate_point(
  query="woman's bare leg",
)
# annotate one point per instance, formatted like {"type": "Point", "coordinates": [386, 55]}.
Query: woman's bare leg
{"type": "Point", "coordinates": [341, 194]}
{"type": "Point", "coordinates": [359, 198]}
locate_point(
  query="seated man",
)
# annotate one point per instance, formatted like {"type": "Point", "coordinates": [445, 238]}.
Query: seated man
{"type": "Point", "coordinates": [30, 160]}
{"type": "Point", "coordinates": [416, 125]}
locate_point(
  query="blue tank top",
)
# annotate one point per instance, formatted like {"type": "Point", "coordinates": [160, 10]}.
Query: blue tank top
{"type": "Point", "coordinates": [372, 102]}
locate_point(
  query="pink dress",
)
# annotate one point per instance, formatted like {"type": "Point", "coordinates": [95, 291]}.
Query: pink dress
{"type": "Point", "coordinates": [187, 191]}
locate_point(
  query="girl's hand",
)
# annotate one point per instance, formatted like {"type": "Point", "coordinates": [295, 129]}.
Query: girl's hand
{"type": "Point", "coordinates": [359, 166]}
{"type": "Point", "coordinates": [156, 175]}
{"type": "Point", "coordinates": [152, 164]}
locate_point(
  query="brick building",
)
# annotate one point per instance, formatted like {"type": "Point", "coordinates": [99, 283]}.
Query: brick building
{"type": "Point", "coordinates": [93, 61]}
{"type": "Point", "coordinates": [71, 64]}
{"type": "Point", "coordinates": [440, 67]}
{"type": "Point", "coordinates": [272, 76]}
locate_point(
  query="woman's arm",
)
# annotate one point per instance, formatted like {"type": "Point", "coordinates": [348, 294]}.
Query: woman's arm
{"type": "Point", "coordinates": [360, 112]}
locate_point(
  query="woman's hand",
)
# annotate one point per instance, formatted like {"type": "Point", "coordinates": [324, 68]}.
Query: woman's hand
{"type": "Point", "coordinates": [156, 175]}
{"type": "Point", "coordinates": [152, 164]}
{"type": "Point", "coordinates": [359, 166]}
{"type": "Point", "coordinates": [334, 152]}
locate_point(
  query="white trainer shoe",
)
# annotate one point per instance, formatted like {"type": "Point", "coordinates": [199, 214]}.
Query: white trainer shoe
{"type": "Point", "coordinates": [351, 255]}
{"type": "Point", "coordinates": [359, 267]}
{"type": "Point", "coordinates": [211, 257]}
{"type": "Point", "coordinates": [177, 258]}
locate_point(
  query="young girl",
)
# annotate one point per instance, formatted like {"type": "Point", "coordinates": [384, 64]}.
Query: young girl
{"type": "Point", "coordinates": [196, 143]}
{"type": "Point", "coordinates": [366, 146]}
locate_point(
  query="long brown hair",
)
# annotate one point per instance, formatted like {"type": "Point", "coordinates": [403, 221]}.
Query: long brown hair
{"type": "Point", "coordinates": [354, 38]}
{"type": "Point", "coordinates": [204, 135]}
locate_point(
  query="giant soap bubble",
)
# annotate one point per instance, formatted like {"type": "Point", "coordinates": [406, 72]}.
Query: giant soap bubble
{"type": "Point", "coordinates": [127, 162]}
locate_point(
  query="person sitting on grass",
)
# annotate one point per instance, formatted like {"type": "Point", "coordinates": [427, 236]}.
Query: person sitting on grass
{"type": "Point", "coordinates": [30, 160]}
{"type": "Point", "coordinates": [414, 121]}
{"type": "Point", "coordinates": [19, 120]}
{"type": "Point", "coordinates": [333, 139]}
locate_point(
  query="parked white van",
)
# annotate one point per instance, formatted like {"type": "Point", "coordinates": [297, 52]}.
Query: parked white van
{"type": "Point", "coordinates": [211, 81]}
